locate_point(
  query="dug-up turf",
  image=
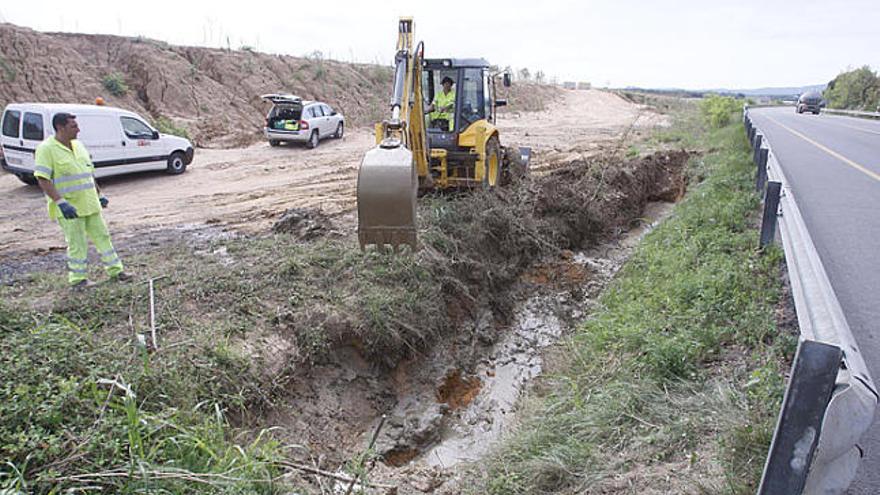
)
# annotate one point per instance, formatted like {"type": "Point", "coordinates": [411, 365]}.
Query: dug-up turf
{"type": "Point", "coordinates": [399, 334]}
{"type": "Point", "coordinates": [299, 331]}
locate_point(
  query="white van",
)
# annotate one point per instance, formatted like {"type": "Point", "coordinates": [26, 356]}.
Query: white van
{"type": "Point", "coordinates": [119, 141]}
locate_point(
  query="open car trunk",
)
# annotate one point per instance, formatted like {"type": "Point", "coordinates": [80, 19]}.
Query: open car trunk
{"type": "Point", "coordinates": [286, 112]}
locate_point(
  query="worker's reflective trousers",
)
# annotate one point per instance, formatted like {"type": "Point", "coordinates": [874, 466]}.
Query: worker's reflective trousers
{"type": "Point", "coordinates": [77, 232]}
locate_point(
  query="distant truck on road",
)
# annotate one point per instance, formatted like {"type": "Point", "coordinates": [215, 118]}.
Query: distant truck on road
{"type": "Point", "coordinates": [810, 102]}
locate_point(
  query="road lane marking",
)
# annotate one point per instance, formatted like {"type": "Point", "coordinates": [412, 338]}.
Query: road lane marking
{"type": "Point", "coordinates": [860, 168]}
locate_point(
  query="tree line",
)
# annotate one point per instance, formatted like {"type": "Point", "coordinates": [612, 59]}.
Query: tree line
{"type": "Point", "coordinates": [857, 89]}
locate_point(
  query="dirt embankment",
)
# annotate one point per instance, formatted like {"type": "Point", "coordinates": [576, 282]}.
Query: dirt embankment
{"type": "Point", "coordinates": [212, 93]}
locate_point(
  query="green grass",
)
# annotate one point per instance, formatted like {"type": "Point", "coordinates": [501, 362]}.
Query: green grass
{"type": "Point", "coordinates": [76, 403]}
{"type": "Point", "coordinates": [674, 383]}
{"type": "Point", "coordinates": [194, 401]}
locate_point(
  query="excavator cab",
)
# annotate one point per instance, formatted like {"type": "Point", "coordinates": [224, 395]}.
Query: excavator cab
{"type": "Point", "coordinates": [468, 153]}
{"type": "Point", "coordinates": [474, 90]}
{"type": "Point", "coordinates": [414, 153]}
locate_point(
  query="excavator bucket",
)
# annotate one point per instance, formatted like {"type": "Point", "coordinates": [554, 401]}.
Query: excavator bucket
{"type": "Point", "coordinates": [386, 198]}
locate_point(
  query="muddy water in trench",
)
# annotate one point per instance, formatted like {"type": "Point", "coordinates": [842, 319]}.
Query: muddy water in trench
{"type": "Point", "coordinates": [519, 356]}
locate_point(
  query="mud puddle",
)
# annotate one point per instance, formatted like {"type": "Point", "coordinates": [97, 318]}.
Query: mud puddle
{"type": "Point", "coordinates": [488, 407]}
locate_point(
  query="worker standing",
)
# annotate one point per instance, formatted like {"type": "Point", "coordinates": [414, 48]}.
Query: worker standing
{"type": "Point", "coordinates": [65, 174]}
{"type": "Point", "coordinates": [443, 105]}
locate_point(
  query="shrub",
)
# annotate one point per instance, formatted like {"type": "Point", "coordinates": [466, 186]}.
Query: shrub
{"type": "Point", "coordinates": [716, 110]}
{"type": "Point", "coordinates": [857, 89]}
{"type": "Point", "coordinates": [115, 84]}
{"type": "Point", "coordinates": [167, 126]}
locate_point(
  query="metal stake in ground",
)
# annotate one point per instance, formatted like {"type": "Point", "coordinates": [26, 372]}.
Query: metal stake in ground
{"type": "Point", "coordinates": [153, 311]}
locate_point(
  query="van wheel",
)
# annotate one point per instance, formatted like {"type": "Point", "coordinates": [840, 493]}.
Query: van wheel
{"type": "Point", "coordinates": [274, 142]}
{"type": "Point", "coordinates": [176, 163]}
{"type": "Point", "coordinates": [313, 140]}
{"type": "Point", "coordinates": [340, 130]}
{"type": "Point", "coordinates": [28, 179]}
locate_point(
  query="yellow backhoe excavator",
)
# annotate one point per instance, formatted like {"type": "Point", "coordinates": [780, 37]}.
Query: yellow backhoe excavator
{"type": "Point", "coordinates": [417, 153]}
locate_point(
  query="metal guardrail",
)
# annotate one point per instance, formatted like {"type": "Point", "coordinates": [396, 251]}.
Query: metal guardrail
{"type": "Point", "coordinates": [822, 457]}
{"type": "Point", "coordinates": [832, 111]}
{"type": "Point", "coordinates": [852, 113]}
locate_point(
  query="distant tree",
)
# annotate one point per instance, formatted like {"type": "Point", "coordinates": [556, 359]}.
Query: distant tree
{"type": "Point", "coordinates": [539, 76]}
{"type": "Point", "coordinates": [857, 89]}
{"type": "Point", "coordinates": [525, 75]}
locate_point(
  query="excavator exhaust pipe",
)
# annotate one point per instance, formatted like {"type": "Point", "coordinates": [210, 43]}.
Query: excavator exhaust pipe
{"type": "Point", "coordinates": [386, 197]}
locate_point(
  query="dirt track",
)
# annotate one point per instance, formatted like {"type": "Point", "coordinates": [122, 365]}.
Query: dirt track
{"type": "Point", "coordinates": [247, 189]}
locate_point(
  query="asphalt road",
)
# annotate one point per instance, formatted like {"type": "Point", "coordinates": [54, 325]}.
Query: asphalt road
{"type": "Point", "coordinates": [833, 164]}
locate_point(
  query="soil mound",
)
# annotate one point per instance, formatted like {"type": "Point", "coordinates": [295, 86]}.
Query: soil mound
{"type": "Point", "coordinates": [211, 94]}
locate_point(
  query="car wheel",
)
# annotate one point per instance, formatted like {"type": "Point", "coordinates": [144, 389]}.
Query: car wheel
{"type": "Point", "coordinates": [340, 129]}
{"type": "Point", "coordinates": [28, 179]}
{"type": "Point", "coordinates": [274, 142]}
{"type": "Point", "coordinates": [176, 163]}
{"type": "Point", "coordinates": [313, 141]}
{"type": "Point", "coordinates": [492, 164]}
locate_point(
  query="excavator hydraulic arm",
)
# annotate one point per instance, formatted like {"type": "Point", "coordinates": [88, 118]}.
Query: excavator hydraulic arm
{"type": "Point", "coordinates": [388, 176]}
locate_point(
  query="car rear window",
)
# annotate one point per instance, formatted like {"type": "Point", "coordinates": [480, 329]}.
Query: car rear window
{"type": "Point", "coordinates": [11, 121]}
{"type": "Point", "coordinates": [33, 126]}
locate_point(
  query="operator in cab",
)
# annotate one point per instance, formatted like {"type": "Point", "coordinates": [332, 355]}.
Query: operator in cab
{"type": "Point", "coordinates": [443, 107]}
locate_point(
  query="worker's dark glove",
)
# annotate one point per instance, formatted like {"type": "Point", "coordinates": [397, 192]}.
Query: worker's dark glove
{"type": "Point", "coordinates": [104, 201]}
{"type": "Point", "coordinates": [67, 209]}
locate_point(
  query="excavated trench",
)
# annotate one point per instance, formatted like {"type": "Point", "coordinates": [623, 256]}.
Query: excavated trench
{"type": "Point", "coordinates": [450, 403]}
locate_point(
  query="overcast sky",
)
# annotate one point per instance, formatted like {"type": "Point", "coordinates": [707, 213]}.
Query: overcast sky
{"type": "Point", "coordinates": [695, 44]}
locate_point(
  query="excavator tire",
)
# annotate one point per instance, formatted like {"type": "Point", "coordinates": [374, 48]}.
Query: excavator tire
{"type": "Point", "coordinates": [494, 164]}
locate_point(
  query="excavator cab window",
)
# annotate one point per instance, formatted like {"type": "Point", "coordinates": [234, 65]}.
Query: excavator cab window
{"type": "Point", "coordinates": [431, 86]}
{"type": "Point", "coordinates": [472, 97]}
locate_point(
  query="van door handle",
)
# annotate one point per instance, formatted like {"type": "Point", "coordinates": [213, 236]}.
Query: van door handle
{"type": "Point", "coordinates": [123, 143]}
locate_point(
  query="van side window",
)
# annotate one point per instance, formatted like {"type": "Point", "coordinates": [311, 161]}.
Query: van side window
{"type": "Point", "coordinates": [135, 129]}
{"type": "Point", "coordinates": [315, 111]}
{"type": "Point", "coordinates": [11, 122]}
{"type": "Point", "coordinates": [33, 126]}
{"type": "Point", "coordinates": [327, 110]}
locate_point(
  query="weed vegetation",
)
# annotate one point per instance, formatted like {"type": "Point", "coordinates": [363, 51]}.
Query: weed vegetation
{"type": "Point", "coordinates": [115, 84]}
{"type": "Point", "coordinates": [167, 126]}
{"type": "Point", "coordinates": [717, 109]}
{"type": "Point", "coordinates": [89, 399]}
{"type": "Point", "coordinates": [674, 383]}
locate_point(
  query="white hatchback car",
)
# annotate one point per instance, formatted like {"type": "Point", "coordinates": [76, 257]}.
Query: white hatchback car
{"type": "Point", "coordinates": [294, 120]}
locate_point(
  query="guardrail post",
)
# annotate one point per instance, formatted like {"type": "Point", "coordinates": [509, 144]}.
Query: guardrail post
{"type": "Point", "coordinates": [771, 207]}
{"type": "Point", "coordinates": [761, 173]}
{"type": "Point", "coordinates": [814, 373]}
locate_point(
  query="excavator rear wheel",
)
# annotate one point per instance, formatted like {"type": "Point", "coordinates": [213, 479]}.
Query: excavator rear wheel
{"type": "Point", "coordinates": [492, 164]}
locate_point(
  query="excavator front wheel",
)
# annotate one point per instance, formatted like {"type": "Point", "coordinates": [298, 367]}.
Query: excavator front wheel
{"type": "Point", "coordinates": [492, 164]}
